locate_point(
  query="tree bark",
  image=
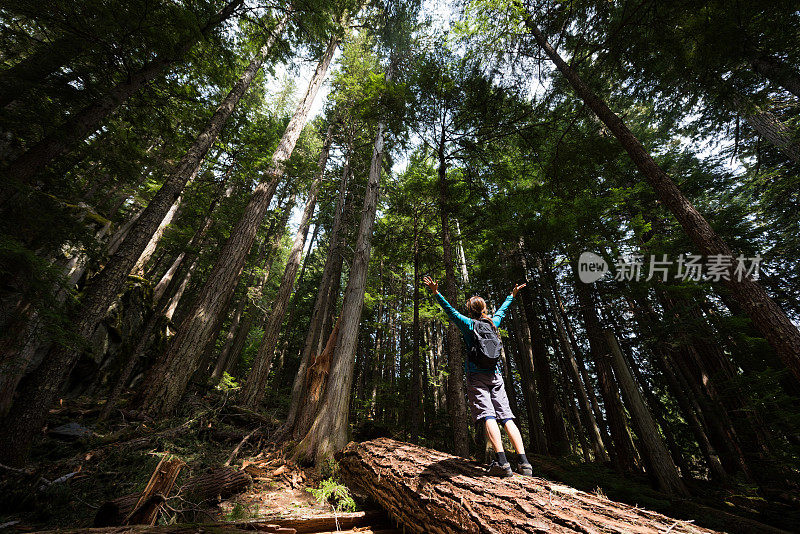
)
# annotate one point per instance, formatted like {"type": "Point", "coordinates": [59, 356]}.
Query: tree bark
{"type": "Point", "coordinates": [462, 258]}
{"type": "Point", "coordinates": [768, 317]}
{"type": "Point", "coordinates": [231, 353]}
{"type": "Point", "coordinates": [84, 122]}
{"type": "Point", "coordinates": [417, 387]}
{"type": "Point", "coordinates": [659, 462]}
{"type": "Point", "coordinates": [777, 72]}
{"type": "Point", "coordinates": [571, 364]}
{"type": "Point", "coordinates": [768, 126]}
{"type": "Point", "coordinates": [163, 307]}
{"type": "Point", "coordinates": [253, 392]}
{"type": "Point", "coordinates": [316, 381]}
{"type": "Point", "coordinates": [219, 483]}
{"type": "Point", "coordinates": [105, 287]}
{"type": "Point", "coordinates": [142, 508]}
{"type": "Point", "coordinates": [168, 381]}
{"type": "Point", "coordinates": [325, 294]}
{"type": "Point", "coordinates": [150, 248]}
{"type": "Point", "coordinates": [25, 337]}
{"type": "Point", "coordinates": [557, 441]}
{"type": "Point", "coordinates": [525, 365]}
{"type": "Point", "coordinates": [456, 390]}
{"type": "Point", "coordinates": [329, 430]}
{"type": "Point", "coordinates": [622, 453]}
{"type": "Point", "coordinates": [430, 491]}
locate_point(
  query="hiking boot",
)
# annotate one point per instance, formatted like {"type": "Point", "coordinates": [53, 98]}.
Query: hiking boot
{"type": "Point", "coordinates": [500, 470]}
{"type": "Point", "coordinates": [524, 470]}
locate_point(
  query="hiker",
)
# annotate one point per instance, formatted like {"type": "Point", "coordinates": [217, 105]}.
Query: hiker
{"type": "Point", "coordinates": [485, 388]}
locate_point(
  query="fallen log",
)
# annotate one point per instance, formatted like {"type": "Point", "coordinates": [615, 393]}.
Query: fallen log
{"type": "Point", "coordinates": [369, 522]}
{"type": "Point", "coordinates": [219, 483]}
{"type": "Point", "coordinates": [208, 528]}
{"type": "Point", "coordinates": [431, 491]}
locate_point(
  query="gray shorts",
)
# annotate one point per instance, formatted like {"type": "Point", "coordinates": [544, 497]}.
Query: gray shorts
{"type": "Point", "coordinates": [487, 396]}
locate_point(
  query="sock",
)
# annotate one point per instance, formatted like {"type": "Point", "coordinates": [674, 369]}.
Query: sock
{"type": "Point", "coordinates": [522, 459]}
{"type": "Point", "coordinates": [501, 458]}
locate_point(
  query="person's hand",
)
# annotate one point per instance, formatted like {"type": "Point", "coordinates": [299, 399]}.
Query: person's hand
{"type": "Point", "coordinates": [432, 285]}
{"type": "Point", "coordinates": [517, 288]}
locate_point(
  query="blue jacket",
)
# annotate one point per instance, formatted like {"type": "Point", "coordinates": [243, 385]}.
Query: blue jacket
{"type": "Point", "coordinates": [465, 325]}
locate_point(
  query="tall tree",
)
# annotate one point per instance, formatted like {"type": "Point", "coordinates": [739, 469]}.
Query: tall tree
{"type": "Point", "coordinates": [328, 433]}
{"type": "Point", "coordinates": [253, 392]}
{"type": "Point", "coordinates": [84, 122]}
{"type": "Point", "coordinates": [768, 317]}
{"type": "Point", "coordinates": [168, 380]}
{"type": "Point", "coordinates": [104, 288]}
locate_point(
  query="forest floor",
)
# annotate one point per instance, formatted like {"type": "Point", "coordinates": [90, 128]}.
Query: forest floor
{"type": "Point", "coordinates": [71, 476]}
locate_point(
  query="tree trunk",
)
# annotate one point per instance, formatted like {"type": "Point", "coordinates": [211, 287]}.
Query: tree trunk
{"type": "Point", "coordinates": [331, 269]}
{"type": "Point", "coordinates": [768, 317]}
{"type": "Point", "coordinates": [557, 441]}
{"type": "Point", "coordinates": [693, 374]}
{"type": "Point", "coordinates": [165, 308]}
{"type": "Point", "coordinates": [525, 365]}
{"type": "Point", "coordinates": [571, 364]}
{"type": "Point", "coordinates": [417, 387]}
{"type": "Point", "coordinates": [34, 68]}
{"type": "Point", "coordinates": [430, 491]}
{"type": "Point", "coordinates": [456, 391]}
{"type": "Point", "coordinates": [253, 392]}
{"type": "Point", "coordinates": [768, 126]}
{"type": "Point", "coordinates": [462, 258]}
{"type": "Point", "coordinates": [659, 462]}
{"type": "Point", "coordinates": [84, 122]}
{"type": "Point", "coordinates": [105, 287]}
{"type": "Point", "coordinates": [316, 381]}
{"type": "Point", "coordinates": [777, 72]}
{"type": "Point", "coordinates": [142, 508]}
{"type": "Point", "coordinates": [25, 337]}
{"type": "Point", "coordinates": [329, 430]}
{"type": "Point", "coordinates": [691, 411]}
{"type": "Point", "coordinates": [231, 354]}
{"type": "Point", "coordinates": [168, 381]}
{"type": "Point", "coordinates": [150, 248]}
{"type": "Point", "coordinates": [219, 483]}
{"type": "Point", "coordinates": [622, 453]}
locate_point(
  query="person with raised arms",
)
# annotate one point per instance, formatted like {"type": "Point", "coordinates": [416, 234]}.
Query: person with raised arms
{"type": "Point", "coordinates": [485, 387]}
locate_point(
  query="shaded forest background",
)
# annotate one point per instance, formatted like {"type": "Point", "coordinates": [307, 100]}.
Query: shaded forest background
{"type": "Point", "coordinates": [175, 225]}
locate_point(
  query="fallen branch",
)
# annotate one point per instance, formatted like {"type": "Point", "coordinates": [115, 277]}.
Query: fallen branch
{"type": "Point", "coordinates": [239, 446]}
{"type": "Point", "coordinates": [59, 480]}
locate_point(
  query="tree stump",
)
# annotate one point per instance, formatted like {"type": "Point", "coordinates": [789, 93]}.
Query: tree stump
{"type": "Point", "coordinates": [141, 508]}
{"type": "Point", "coordinates": [431, 491]}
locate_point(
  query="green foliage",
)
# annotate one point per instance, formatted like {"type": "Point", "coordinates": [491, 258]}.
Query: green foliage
{"type": "Point", "coordinates": [335, 493]}
{"type": "Point", "coordinates": [227, 383]}
{"type": "Point", "coordinates": [241, 511]}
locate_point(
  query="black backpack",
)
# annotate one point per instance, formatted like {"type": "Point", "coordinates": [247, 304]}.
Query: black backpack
{"type": "Point", "coordinates": [486, 344]}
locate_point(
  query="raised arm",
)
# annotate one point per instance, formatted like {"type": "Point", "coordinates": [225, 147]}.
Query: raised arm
{"type": "Point", "coordinates": [501, 312]}
{"type": "Point", "coordinates": [461, 321]}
